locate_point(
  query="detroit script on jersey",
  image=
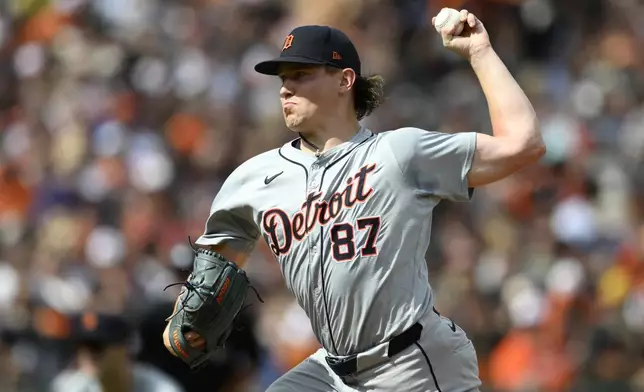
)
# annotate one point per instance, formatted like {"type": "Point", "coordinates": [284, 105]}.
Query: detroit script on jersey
{"type": "Point", "coordinates": [316, 210]}
{"type": "Point", "coordinates": [349, 229]}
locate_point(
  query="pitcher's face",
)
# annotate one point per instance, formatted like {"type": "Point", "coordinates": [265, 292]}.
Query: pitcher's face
{"type": "Point", "coordinates": [308, 95]}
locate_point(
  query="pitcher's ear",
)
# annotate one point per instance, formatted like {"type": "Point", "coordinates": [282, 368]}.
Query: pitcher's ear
{"type": "Point", "coordinates": [348, 79]}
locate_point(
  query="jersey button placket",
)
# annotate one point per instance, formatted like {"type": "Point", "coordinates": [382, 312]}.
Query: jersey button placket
{"type": "Point", "coordinates": [314, 181]}
{"type": "Point", "coordinates": [314, 257]}
{"type": "Point", "coordinates": [314, 235]}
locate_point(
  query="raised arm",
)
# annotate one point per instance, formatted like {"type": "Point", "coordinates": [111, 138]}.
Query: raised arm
{"type": "Point", "coordinates": [516, 140]}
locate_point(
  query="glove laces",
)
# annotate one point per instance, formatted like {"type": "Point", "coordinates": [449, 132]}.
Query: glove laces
{"type": "Point", "coordinates": [191, 288]}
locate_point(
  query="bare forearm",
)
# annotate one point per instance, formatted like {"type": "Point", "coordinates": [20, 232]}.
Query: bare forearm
{"type": "Point", "coordinates": [511, 112]}
{"type": "Point", "coordinates": [230, 254]}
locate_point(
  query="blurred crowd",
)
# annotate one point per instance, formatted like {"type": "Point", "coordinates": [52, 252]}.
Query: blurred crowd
{"type": "Point", "coordinates": [119, 120]}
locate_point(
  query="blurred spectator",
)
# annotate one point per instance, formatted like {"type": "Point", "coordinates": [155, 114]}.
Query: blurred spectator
{"type": "Point", "coordinates": [102, 362]}
{"type": "Point", "coordinates": [608, 367]}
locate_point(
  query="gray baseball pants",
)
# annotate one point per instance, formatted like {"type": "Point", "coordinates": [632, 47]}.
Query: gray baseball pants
{"type": "Point", "coordinates": [442, 360]}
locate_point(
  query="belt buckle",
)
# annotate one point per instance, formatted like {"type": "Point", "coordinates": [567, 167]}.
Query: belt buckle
{"type": "Point", "coordinates": [340, 365]}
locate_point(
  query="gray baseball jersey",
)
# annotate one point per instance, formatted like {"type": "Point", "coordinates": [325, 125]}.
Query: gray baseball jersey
{"type": "Point", "coordinates": [349, 228]}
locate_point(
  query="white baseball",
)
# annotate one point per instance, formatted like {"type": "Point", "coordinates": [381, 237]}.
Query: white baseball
{"type": "Point", "coordinates": [450, 18]}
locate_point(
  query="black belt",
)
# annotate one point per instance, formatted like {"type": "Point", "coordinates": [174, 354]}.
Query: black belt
{"type": "Point", "coordinates": [349, 365]}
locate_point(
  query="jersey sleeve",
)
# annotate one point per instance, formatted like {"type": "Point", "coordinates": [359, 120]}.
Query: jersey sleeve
{"type": "Point", "coordinates": [231, 219]}
{"type": "Point", "coordinates": [435, 163]}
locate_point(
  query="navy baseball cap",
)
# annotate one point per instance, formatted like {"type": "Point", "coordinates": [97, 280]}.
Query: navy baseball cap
{"type": "Point", "coordinates": [315, 45]}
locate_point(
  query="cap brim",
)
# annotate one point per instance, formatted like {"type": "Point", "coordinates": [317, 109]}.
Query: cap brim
{"type": "Point", "coordinates": [271, 67]}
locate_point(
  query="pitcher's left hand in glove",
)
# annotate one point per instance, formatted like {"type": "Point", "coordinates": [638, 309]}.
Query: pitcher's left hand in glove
{"type": "Point", "coordinates": [209, 303]}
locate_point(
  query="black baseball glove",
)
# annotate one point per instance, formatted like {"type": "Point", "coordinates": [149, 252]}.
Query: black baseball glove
{"type": "Point", "coordinates": [212, 297]}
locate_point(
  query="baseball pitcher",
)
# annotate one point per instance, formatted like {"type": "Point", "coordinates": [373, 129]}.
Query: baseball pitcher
{"type": "Point", "coordinates": [347, 214]}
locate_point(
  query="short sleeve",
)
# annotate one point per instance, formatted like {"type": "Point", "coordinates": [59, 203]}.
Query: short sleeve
{"type": "Point", "coordinates": [231, 219]}
{"type": "Point", "coordinates": [435, 163]}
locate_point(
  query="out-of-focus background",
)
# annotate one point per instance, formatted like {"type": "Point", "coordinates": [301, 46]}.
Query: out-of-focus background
{"type": "Point", "coordinates": [119, 120]}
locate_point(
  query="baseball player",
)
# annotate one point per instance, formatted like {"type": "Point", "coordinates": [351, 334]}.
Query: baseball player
{"type": "Point", "coordinates": [347, 214]}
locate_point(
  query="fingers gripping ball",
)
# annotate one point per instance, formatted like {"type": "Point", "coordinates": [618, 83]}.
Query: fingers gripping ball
{"type": "Point", "coordinates": [213, 296]}
{"type": "Point", "coordinates": [449, 20]}
{"type": "Point", "coordinates": [461, 32]}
